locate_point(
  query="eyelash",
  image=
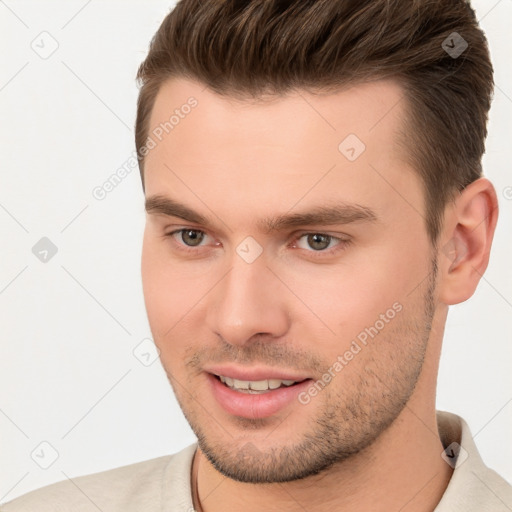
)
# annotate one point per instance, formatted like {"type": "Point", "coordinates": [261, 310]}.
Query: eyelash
{"type": "Point", "coordinates": [343, 243]}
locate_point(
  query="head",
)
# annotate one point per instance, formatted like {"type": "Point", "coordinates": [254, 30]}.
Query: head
{"type": "Point", "coordinates": [312, 212]}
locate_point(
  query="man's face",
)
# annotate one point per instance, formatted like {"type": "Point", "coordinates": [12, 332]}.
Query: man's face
{"type": "Point", "coordinates": [340, 305]}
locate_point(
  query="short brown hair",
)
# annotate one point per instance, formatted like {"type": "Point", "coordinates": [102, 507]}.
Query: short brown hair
{"type": "Point", "coordinates": [248, 49]}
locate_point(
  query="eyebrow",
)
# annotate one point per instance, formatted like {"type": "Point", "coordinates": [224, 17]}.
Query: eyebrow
{"type": "Point", "coordinates": [340, 213]}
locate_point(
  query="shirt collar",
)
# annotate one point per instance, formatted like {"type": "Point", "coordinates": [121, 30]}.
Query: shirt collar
{"type": "Point", "coordinates": [473, 487]}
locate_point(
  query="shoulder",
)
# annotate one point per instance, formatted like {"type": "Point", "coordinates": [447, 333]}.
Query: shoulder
{"type": "Point", "coordinates": [135, 486]}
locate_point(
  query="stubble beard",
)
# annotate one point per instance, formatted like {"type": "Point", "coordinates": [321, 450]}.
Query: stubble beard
{"type": "Point", "coordinates": [351, 418]}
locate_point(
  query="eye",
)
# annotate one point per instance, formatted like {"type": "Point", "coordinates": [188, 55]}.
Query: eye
{"type": "Point", "coordinates": [317, 241]}
{"type": "Point", "coordinates": [191, 237]}
{"type": "Point", "coordinates": [320, 242]}
{"type": "Point", "coordinates": [187, 238]}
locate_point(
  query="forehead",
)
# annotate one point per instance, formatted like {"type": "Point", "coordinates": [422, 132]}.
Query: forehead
{"type": "Point", "coordinates": [373, 109]}
{"type": "Point", "coordinates": [256, 155]}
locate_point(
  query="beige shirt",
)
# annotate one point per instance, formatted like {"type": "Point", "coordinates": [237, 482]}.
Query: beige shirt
{"type": "Point", "coordinates": [163, 484]}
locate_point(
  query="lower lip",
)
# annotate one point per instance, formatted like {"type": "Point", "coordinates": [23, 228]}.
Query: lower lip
{"type": "Point", "coordinates": [255, 406]}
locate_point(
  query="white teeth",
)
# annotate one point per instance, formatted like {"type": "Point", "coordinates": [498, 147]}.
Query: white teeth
{"type": "Point", "coordinates": [255, 386]}
{"type": "Point", "coordinates": [241, 384]}
{"type": "Point", "coordinates": [258, 385]}
{"type": "Point", "coordinates": [274, 383]}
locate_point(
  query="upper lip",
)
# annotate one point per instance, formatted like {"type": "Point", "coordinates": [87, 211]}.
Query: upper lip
{"type": "Point", "coordinates": [255, 373]}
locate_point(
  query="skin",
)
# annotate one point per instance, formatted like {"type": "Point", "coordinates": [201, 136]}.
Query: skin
{"type": "Point", "coordinates": [297, 307]}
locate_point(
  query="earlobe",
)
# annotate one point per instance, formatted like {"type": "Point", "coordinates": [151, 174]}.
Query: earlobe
{"type": "Point", "coordinates": [466, 241]}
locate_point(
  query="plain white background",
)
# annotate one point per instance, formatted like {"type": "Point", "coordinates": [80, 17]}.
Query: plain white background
{"type": "Point", "coordinates": [69, 377]}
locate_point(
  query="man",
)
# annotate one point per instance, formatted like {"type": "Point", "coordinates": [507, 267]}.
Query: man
{"type": "Point", "coordinates": [315, 202]}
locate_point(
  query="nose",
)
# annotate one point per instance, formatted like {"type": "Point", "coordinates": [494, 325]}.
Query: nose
{"type": "Point", "coordinates": [248, 302]}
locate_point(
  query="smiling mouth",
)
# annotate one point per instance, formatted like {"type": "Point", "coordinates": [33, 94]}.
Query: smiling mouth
{"type": "Point", "coordinates": [256, 386]}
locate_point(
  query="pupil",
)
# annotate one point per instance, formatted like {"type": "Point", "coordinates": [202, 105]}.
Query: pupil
{"type": "Point", "coordinates": [318, 241]}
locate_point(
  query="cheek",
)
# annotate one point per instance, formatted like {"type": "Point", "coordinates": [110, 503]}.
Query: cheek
{"type": "Point", "coordinates": [350, 292]}
{"type": "Point", "coordinates": [163, 288]}
{"type": "Point", "coordinates": [173, 293]}
{"type": "Point", "coordinates": [351, 297]}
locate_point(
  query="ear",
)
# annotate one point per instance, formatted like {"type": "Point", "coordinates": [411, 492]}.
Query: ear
{"type": "Point", "coordinates": [465, 241]}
